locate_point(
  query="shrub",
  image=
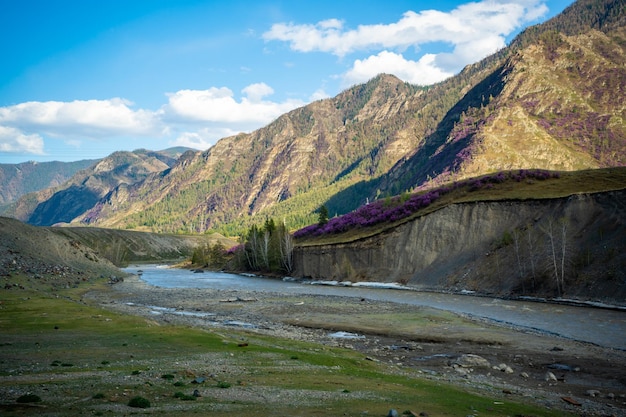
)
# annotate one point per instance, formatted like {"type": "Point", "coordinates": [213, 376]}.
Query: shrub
{"type": "Point", "coordinates": [223, 384]}
{"type": "Point", "coordinates": [393, 209]}
{"type": "Point", "coordinates": [98, 396]}
{"type": "Point", "coordinates": [139, 402]}
{"type": "Point", "coordinates": [184, 397]}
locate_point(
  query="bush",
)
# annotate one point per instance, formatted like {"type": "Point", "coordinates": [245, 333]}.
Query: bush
{"type": "Point", "coordinates": [184, 397]}
{"type": "Point", "coordinates": [98, 396]}
{"type": "Point", "coordinates": [29, 398]}
{"type": "Point", "coordinates": [139, 402]}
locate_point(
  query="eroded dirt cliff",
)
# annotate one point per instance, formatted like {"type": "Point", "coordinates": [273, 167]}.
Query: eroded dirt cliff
{"type": "Point", "coordinates": [568, 247]}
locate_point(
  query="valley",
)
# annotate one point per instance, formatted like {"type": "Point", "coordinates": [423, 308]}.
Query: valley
{"type": "Point", "coordinates": [504, 184]}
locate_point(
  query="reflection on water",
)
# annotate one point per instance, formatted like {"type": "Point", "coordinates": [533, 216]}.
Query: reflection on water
{"type": "Point", "coordinates": [600, 326]}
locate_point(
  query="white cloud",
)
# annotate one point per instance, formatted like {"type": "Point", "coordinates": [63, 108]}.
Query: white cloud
{"type": "Point", "coordinates": [319, 94]}
{"type": "Point", "coordinates": [473, 30]}
{"type": "Point", "coordinates": [202, 139]}
{"type": "Point", "coordinates": [468, 21]}
{"type": "Point", "coordinates": [423, 71]}
{"type": "Point", "coordinates": [25, 126]}
{"type": "Point", "coordinates": [88, 119]}
{"type": "Point", "coordinates": [13, 140]}
{"type": "Point", "coordinates": [218, 105]}
{"type": "Point", "coordinates": [256, 92]}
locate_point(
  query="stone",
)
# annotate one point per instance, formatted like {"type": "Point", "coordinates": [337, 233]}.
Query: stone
{"type": "Point", "coordinates": [503, 367]}
{"type": "Point", "coordinates": [593, 392]}
{"type": "Point", "coordinates": [471, 361]}
{"type": "Point", "coordinates": [550, 377]}
{"type": "Point", "coordinates": [524, 375]}
{"type": "Point", "coordinates": [393, 413]}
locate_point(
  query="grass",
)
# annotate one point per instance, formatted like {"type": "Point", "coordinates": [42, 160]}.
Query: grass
{"type": "Point", "coordinates": [568, 183]}
{"type": "Point", "coordinates": [117, 358]}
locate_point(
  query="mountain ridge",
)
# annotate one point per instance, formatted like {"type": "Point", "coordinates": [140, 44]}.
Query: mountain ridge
{"type": "Point", "coordinates": [512, 110]}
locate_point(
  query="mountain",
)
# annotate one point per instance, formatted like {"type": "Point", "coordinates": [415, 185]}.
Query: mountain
{"type": "Point", "coordinates": [63, 203]}
{"type": "Point", "coordinates": [553, 99]}
{"type": "Point", "coordinates": [27, 177]}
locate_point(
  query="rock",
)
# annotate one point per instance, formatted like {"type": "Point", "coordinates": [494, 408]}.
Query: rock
{"type": "Point", "coordinates": [460, 370]}
{"type": "Point", "coordinates": [550, 377]}
{"type": "Point", "coordinates": [564, 367]}
{"type": "Point", "coordinates": [524, 375]}
{"type": "Point", "coordinates": [196, 393]}
{"type": "Point", "coordinates": [471, 361]}
{"type": "Point", "coordinates": [593, 392]}
{"type": "Point", "coordinates": [571, 401]}
{"type": "Point", "coordinates": [503, 367]}
{"type": "Point", "coordinates": [393, 413]}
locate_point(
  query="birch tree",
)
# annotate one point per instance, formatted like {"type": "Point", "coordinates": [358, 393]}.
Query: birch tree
{"type": "Point", "coordinates": [286, 248]}
{"type": "Point", "coordinates": [556, 233]}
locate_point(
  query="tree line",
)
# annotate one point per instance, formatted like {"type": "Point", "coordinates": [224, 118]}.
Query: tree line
{"type": "Point", "coordinates": [267, 248]}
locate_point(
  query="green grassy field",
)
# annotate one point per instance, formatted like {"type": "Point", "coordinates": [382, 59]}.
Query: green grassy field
{"type": "Point", "coordinates": [81, 360]}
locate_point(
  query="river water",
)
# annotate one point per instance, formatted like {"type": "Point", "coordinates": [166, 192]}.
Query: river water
{"type": "Point", "coordinates": [601, 326]}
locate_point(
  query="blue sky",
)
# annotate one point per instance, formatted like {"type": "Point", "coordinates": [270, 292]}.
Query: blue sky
{"type": "Point", "coordinates": [81, 79]}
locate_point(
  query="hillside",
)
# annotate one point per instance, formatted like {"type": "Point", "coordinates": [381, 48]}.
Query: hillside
{"type": "Point", "coordinates": [554, 99]}
{"type": "Point", "coordinates": [77, 252]}
{"type": "Point", "coordinates": [19, 179]}
{"type": "Point", "coordinates": [523, 234]}
{"type": "Point", "coordinates": [44, 255]}
{"type": "Point", "coordinates": [68, 200]}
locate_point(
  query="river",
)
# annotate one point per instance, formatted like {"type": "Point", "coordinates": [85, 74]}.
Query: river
{"type": "Point", "coordinates": [601, 326]}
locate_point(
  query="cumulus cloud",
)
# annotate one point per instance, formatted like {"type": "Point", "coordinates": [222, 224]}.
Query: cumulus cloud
{"type": "Point", "coordinates": [13, 140]}
{"type": "Point", "coordinates": [25, 126]}
{"type": "Point", "coordinates": [473, 30]}
{"type": "Point", "coordinates": [424, 71]}
{"type": "Point", "coordinates": [82, 118]}
{"type": "Point", "coordinates": [203, 138]}
{"type": "Point", "coordinates": [219, 105]}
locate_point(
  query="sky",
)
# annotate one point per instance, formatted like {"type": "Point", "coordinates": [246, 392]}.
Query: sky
{"type": "Point", "coordinates": [81, 79]}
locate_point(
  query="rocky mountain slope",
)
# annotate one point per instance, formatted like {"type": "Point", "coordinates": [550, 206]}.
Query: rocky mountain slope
{"type": "Point", "coordinates": [42, 254]}
{"type": "Point", "coordinates": [19, 179]}
{"type": "Point", "coordinates": [71, 253]}
{"type": "Point", "coordinates": [554, 99]}
{"type": "Point", "coordinates": [73, 197]}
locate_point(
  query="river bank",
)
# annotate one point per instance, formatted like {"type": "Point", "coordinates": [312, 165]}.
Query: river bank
{"type": "Point", "coordinates": [552, 371]}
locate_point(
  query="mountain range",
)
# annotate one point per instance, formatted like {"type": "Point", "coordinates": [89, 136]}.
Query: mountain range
{"type": "Point", "coordinates": [553, 99]}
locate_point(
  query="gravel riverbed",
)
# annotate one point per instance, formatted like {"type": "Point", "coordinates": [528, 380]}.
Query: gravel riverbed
{"type": "Point", "coordinates": [558, 373]}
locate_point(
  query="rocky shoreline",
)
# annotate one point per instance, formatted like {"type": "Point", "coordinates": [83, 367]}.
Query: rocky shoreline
{"type": "Point", "coordinates": [507, 363]}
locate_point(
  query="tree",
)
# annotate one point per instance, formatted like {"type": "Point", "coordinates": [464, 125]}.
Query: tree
{"type": "Point", "coordinates": [286, 248]}
{"type": "Point", "coordinates": [516, 235]}
{"type": "Point", "coordinates": [269, 248]}
{"type": "Point", "coordinates": [556, 233]}
{"type": "Point", "coordinates": [323, 215]}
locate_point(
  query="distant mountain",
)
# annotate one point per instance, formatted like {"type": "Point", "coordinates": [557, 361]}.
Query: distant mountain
{"type": "Point", "coordinates": [27, 177]}
{"type": "Point", "coordinates": [63, 203]}
{"type": "Point", "coordinates": [554, 99]}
